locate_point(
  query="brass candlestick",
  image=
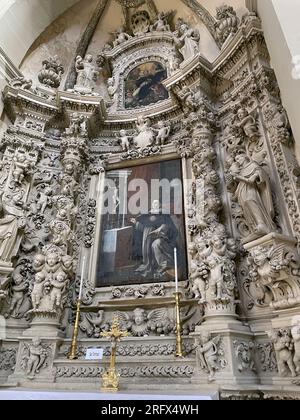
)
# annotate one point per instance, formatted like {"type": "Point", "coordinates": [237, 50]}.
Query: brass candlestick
{"type": "Point", "coordinates": [73, 353]}
{"type": "Point", "coordinates": [111, 378]}
{"type": "Point", "coordinates": [179, 344]}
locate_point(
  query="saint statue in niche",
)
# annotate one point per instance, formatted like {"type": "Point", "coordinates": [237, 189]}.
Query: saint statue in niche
{"type": "Point", "coordinates": [159, 240]}
{"type": "Point", "coordinates": [144, 87]}
{"type": "Point", "coordinates": [253, 193]}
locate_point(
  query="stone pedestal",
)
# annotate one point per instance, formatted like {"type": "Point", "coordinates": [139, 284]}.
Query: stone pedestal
{"type": "Point", "coordinates": [234, 353]}
{"type": "Point", "coordinates": [44, 325]}
{"type": "Point", "coordinates": [41, 357]}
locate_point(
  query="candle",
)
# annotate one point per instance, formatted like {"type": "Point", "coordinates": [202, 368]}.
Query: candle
{"type": "Point", "coordinates": [176, 269]}
{"type": "Point", "coordinates": [81, 280]}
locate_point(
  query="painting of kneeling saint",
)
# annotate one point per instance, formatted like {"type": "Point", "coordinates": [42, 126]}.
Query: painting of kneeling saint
{"type": "Point", "coordinates": [144, 87]}
{"type": "Point", "coordinates": [137, 247]}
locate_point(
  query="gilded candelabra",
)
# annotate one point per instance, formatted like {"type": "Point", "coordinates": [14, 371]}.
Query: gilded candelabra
{"type": "Point", "coordinates": [73, 353]}
{"type": "Point", "coordinates": [111, 378]}
{"type": "Point", "coordinates": [179, 343]}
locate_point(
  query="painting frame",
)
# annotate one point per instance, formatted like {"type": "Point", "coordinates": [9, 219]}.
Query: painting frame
{"type": "Point", "coordinates": [117, 237]}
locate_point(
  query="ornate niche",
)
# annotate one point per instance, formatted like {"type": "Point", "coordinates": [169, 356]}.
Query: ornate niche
{"type": "Point", "coordinates": [139, 65]}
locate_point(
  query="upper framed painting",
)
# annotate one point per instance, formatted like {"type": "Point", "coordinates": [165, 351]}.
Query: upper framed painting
{"type": "Point", "coordinates": [143, 86]}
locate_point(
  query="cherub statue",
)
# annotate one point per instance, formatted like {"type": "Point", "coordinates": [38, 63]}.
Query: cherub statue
{"type": "Point", "coordinates": [141, 323]}
{"type": "Point", "coordinates": [216, 277]}
{"type": "Point", "coordinates": [19, 288]}
{"type": "Point", "coordinates": [68, 264]}
{"type": "Point", "coordinates": [34, 357]}
{"type": "Point", "coordinates": [283, 345]}
{"type": "Point", "coordinates": [38, 263]}
{"type": "Point", "coordinates": [163, 133]}
{"type": "Point", "coordinates": [77, 123]}
{"type": "Point", "coordinates": [295, 332]}
{"type": "Point", "coordinates": [124, 140]}
{"type": "Point", "coordinates": [52, 265]}
{"type": "Point", "coordinates": [21, 168]}
{"type": "Point", "coordinates": [43, 199]}
{"type": "Point", "coordinates": [122, 37]}
{"type": "Point", "coordinates": [248, 124]}
{"type": "Point", "coordinates": [199, 275]}
{"type": "Point", "coordinates": [60, 232]}
{"type": "Point", "coordinates": [207, 353]}
{"type": "Point", "coordinates": [161, 24]}
{"type": "Point", "coordinates": [38, 289]}
{"type": "Point", "coordinates": [59, 284]}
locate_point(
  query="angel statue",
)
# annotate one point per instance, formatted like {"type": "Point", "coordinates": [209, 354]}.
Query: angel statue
{"type": "Point", "coordinates": [163, 131]}
{"type": "Point", "coordinates": [141, 323]}
{"type": "Point", "coordinates": [121, 36]}
{"type": "Point", "coordinates": [207, 354]}
{"type": "Point", "coordinates": [161, 24]}
{"type": "Point", "coordinates": [34, 357]}
{"type": "Point", "coordinates": [187, 41]}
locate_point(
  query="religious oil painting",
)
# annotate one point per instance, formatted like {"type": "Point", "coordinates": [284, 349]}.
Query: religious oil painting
{"type": "Point", "coordinates": [142, 223]}
{"type": "Point", "coordinates": [144, 87]}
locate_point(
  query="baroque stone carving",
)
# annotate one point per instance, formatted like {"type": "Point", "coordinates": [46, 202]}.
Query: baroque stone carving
{"type": "Point", "coordinates": [86, 75]}
{"type": "Point", "coordinates": [34, 357]}
{"type": "Point", "coordinates": [141, 323]}
{"type": "Point", "coordinates": [90, 223]}
{"type": "Point", "coordinates": [275, 273]}
{"type": "Point", "coordinates": [138, 292]}
{"type": "Point", "coordinates": [227, 22]}
{"type": "Point", "coordinates": [284, 350]}
{"type": "Point", "coordinates": [244, 352]}
{"type": "Point", "coordinates": [252, 191]}
{"type": "Point", "coordinates": [166, 371]}
{"type": "Point", "coordinates": [54, 265]}
{"type": "Point", "coordinates": [187, 41]}
{"type": "Point", "coordinates": [209, 354]}
{"type": "Point", "coordinates": [8, 359]}
{"type": "Point", "coordinates": [295, 333]}
{"type": "Point", "coordinates": [121, 37]}
{"type": "Point", "coordinates": [51, 73]}
{"type": "Point", "coordinates": [267, 357]}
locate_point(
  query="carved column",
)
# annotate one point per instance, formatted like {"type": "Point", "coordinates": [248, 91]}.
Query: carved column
{"type": "Point", "coordinates": [54, 266]}
{"type": "Point", "coordinates": [212, 261]}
